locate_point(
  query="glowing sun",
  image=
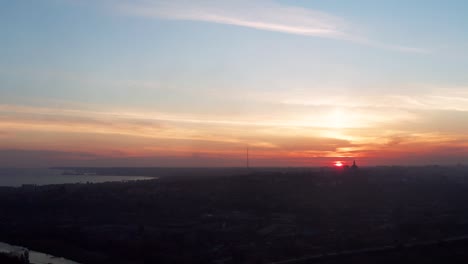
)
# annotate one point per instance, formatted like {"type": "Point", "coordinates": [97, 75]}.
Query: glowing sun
{"type": "Point", "coordinates": [338, 164]}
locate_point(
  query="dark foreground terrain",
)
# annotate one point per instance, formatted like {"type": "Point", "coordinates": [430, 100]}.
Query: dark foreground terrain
{"type": "Point", "coordinates": [372, 215]}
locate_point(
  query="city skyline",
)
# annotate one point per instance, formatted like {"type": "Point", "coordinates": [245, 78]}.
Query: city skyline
{"type": "Point", "coordinates": [192, 83]}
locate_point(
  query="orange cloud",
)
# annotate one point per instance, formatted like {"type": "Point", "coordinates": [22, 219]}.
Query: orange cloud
{"type": "Point", "coordinates": [104, 135]}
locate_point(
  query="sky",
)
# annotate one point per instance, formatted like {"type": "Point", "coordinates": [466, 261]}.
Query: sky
{"type": "Point", "coordinates": [194, 83]}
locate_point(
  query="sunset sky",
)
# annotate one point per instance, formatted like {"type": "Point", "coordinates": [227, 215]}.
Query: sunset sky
{"type": "Point", "coordinates": [193, 83]}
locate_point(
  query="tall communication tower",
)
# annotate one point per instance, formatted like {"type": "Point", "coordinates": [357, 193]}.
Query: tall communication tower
{"type": "Point", "coordinates": [247, 157]}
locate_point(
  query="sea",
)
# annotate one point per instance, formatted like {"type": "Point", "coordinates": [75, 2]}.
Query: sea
{"type": "Point", "coordinates": [16, 177]}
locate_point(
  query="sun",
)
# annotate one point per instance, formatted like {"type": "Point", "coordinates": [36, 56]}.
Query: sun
{"type": "Point", "coordinates": [338, 164]}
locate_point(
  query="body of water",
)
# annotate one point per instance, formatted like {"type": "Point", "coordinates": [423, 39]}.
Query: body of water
{"type": "Point", "coordinates": [42, 258]}
{"type": "Point", "coordinates": [17, 177]}
{"type": "Point", "coordinates": [34, 256]}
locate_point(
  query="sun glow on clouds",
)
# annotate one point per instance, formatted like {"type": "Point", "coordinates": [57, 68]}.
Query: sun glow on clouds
{"type": "Point", "coordinates": [277, 128]}
{"type": "Point", "coordinates": [334, 132]}
{"type": "Point", "coordinates": [337, 119]}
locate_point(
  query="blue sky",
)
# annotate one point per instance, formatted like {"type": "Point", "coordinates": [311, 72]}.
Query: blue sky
{"type": "Point", "coordinates": [289, 66]}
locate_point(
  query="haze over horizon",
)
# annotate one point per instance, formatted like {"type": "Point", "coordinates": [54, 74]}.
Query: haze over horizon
{"type": "Point", "coordinates": [192, 83]}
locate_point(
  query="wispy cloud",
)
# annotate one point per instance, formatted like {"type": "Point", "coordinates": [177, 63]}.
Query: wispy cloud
{"type": "Point", "coordinates": [262, 14]}
{"type": "Point", "coordinates": [417, 97]}
{"type": "Point", "coordinates": [407, 49]}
